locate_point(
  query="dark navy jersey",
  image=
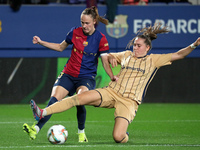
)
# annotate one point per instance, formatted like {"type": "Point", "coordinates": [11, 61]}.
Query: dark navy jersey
{"type": "Point", "coordinates": [85, 52]}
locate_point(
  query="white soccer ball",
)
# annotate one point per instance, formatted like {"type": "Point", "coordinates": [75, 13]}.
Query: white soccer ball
{"type": "Point", "coordinates": [57, 134]}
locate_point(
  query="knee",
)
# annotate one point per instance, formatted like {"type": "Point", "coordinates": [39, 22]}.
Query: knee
{"type": "Point", "coordinates": [120, 138]}
{"type": "Point", "coordinates": [57, 96]}
{"type": "Point", "coordinates": [80, 98]}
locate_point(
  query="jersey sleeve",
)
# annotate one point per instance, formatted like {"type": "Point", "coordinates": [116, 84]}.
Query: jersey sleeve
{"type": "Point", "coordinates": [69, 36]}
{"type": "Point", "coordinates": [103, 45]}
{"type": "Point", "coordinates": [162, 59]}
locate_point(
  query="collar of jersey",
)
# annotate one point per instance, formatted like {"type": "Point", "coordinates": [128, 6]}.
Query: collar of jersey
{"type": "Point", "coordinates": [140, 57]}
{"type": "Point", "coordinates": [88, 34]}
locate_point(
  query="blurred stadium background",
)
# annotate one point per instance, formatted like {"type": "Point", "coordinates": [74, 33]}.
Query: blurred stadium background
{"type": "Point", "coordinates": [29, 71]}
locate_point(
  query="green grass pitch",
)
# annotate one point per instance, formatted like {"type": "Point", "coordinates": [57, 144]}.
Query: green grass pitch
{"type": "Point", "coordinates": [156, 127]}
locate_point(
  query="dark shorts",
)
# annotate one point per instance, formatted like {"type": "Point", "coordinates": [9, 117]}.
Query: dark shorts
{"type": "Point", "coordinates": [72, 83]}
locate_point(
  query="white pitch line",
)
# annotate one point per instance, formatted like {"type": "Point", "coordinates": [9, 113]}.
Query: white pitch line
{"type": "Point", "coordinates": [148, 121]}
{"type": "Point", "coordinates": [103, 145]}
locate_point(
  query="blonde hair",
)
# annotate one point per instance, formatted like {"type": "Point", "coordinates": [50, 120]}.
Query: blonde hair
{"type": "Point", "coordinates": [93, 11]}
{"type": "Point", "coordinates": [149, 34]}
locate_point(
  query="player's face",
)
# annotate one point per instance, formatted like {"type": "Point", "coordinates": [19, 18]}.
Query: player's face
{"type": "Point", "coordinates": [87, 23]}
{"type": "Point", "coordinates": [140, 49]}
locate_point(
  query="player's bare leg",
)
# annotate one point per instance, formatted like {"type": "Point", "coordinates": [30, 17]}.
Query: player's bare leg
{"type": "Point", "coordinates": [59, 92]}
{"type": "Point", "coordinates": [86, 98]}
{"type": "Point", "coordinates": [91, 97]}
{"type": "Point", "coordinates": [120, 129]}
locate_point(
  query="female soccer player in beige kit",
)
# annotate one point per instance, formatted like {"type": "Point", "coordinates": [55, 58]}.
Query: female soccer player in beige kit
{"type": "Point", "coordinates": [125, 94]}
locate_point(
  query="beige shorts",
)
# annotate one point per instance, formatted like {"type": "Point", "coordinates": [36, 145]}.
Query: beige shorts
{"type": "Point", "coordinates": [124, 107]}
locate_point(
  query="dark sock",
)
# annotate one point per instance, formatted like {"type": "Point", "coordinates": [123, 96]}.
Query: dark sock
{"type": "Point", "coordinates": [42, 122]}
{"type": "Point", "coordinates": [81, 117]}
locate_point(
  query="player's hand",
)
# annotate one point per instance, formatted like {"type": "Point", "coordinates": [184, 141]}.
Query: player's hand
{"type": "Point", "coordinates": [112, 61]}
{"type": "Point", "coordinates": [115, 78]}
{"type": "Point", "coordinates": [197, 42]}
{"type": "Point", "coordinates": [36, 40]}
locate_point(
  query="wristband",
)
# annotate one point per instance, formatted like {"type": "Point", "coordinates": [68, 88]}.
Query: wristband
{"type": "Point", "coordinates": [192, 46]}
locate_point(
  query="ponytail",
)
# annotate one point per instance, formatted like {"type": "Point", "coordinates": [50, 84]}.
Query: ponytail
{"type": "Point", "coordinates": [93, 11]}
{"type": "Point", "coordinates": [149, 34]}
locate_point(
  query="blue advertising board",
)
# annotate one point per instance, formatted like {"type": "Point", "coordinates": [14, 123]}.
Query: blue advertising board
{"type": "Point", "coordinates": [52, 23]}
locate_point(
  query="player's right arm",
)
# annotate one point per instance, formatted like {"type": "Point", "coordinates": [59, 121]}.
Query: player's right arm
{"type": "Point", "coordinates": [54, 46]}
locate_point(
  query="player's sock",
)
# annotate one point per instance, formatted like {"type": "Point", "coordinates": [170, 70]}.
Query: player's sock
{"type": "Point", "coordinates": [81, 117]}
{"type": "Point", "coordinates": [62, 105]}
{"type": "Point", "coordinates": [81, 131]}
{"type": "Point", "coordinates": [42, 122]}
{"type": "Point", "coordinates": [37, 128]}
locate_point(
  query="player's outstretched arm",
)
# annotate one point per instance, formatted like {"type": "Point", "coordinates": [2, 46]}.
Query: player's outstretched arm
{"type": "Point", "coordinates": [112, 60]}
{"type": "Point", "coordinates": [185, 51]}
{"type": "Point", "coordinates": [107, 67]}
{"type": "Point", "coordinates": [54, 46]}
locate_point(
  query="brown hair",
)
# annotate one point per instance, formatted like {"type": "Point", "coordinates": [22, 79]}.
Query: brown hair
{"type": "Point", "coordinates": [149, 34]}
{"type": "Point", "coordinates": [93, 11]}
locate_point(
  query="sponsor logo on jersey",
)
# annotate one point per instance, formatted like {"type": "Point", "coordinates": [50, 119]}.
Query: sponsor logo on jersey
{"type": "Point", "coordinates": [133, 68]}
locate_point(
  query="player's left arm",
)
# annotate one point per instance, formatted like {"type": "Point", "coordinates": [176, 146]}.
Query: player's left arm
{"type": "Point", "coordinates": [185, 51]}
{"type": "Point", "coordinates": [106, 65]}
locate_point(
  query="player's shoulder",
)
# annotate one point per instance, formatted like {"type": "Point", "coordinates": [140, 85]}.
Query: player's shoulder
{"type": "Point", "coordinates": [75, 28]}
{"type": "Point", "coordinates": [163, 56]}
{"type": "Point", "coordinates": [71, 30]}
{"type": "Point", "coordinates": [99, 33]}
{"type": "Point", "coordinates": [153, 56]}
{"type": "Point", "coordinates": [128, 52]}
{"type": "Point", "coordinates": [159, 55]}
{"type": "Point", "coordinates": [125, 53]}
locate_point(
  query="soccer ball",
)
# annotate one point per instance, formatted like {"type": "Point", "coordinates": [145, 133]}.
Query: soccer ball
{"type": "Point", "coordinates": [57, 134]}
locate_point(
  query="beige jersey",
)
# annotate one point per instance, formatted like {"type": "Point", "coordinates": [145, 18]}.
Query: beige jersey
{"type": "Point", "coordinates": [136, 73]}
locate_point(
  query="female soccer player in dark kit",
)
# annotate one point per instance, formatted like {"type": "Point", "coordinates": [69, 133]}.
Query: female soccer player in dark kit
{"type": "Point", "coordinates": [80, 71]}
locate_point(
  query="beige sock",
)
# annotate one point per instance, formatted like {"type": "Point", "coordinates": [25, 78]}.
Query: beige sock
{"type": "Point", "coordinates": [62, 105]}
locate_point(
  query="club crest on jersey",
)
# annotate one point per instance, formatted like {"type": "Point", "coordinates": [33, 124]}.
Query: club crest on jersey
{"type": "Point", "coordinates": [85, 43]}
{"type": "Point", "coordinates": [119, 27]}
